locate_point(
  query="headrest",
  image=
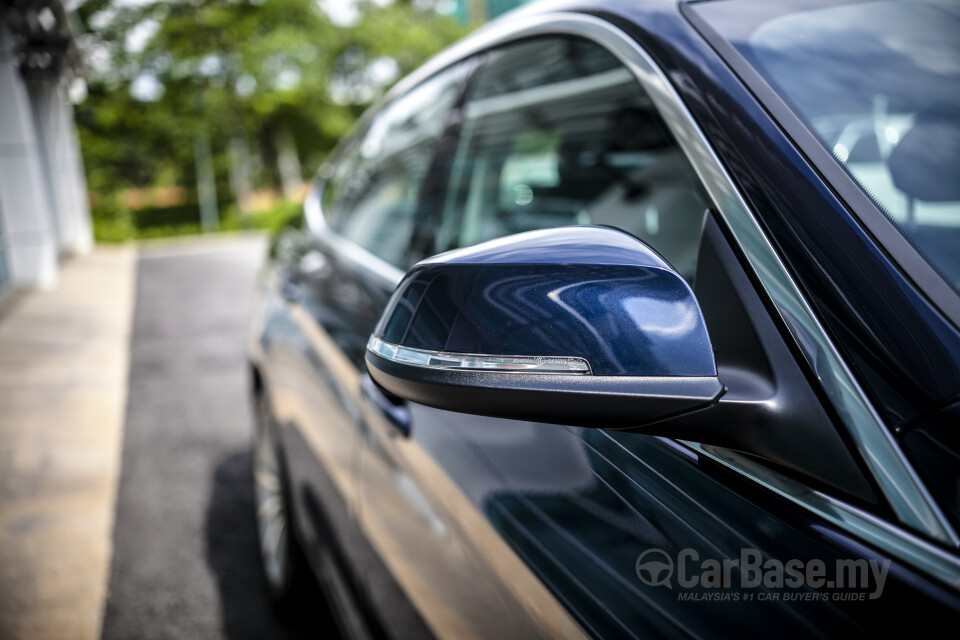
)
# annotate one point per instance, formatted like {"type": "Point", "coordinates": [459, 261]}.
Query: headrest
{"type": "Point", "coordinates": [925, 164]}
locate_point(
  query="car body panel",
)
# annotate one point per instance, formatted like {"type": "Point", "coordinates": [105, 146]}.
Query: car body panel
{"type": "Point", "coordinates": [452, 563]}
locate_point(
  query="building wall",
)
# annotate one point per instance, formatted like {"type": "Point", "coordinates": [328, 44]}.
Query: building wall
{"type": "Point", "coordinates": [43, 203]}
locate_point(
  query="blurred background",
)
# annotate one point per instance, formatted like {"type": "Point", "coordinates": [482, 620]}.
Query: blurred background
{"type": "Point", "coordinates": [125, 498]}
{"type": "Point", "coordinates": [209, 114]}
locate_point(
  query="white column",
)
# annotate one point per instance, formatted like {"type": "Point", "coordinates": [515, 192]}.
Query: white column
{"type": "Point", "coordinates": [83, 238]}
{"type": "Point", "coordinates": [42, 96]}
{"type": "Point", "coordinates": [63, 172]}
{"type": "Point", "coordinates": [24, 203]}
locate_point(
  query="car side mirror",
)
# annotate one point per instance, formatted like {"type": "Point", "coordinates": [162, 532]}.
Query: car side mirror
{"type": "Point", "coordinates": [584, 326]}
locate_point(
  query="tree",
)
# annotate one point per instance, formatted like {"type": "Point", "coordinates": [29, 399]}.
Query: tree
{"type": "Point", "coordinates": [235, 70]}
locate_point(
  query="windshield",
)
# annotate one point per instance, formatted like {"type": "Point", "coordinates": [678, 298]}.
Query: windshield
{"type": "Point", "coordinates": [879, 85]}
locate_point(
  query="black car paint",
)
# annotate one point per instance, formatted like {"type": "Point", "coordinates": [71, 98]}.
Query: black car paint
{"type": "Point", "coordinates": [580, 527]}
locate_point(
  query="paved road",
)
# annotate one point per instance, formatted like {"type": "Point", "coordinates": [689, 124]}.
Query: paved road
{"type": "Point", "coordinates": [185, 556]}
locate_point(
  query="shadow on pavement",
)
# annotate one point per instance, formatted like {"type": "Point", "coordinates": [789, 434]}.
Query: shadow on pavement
{"type": "Point", "coordinates": [233, 557]}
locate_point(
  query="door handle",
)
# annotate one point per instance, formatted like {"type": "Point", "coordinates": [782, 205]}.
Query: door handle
{"type": "Point", "coordinates": [311, 266]}
{"type": "Point", "coordinates": [289, 288]}
{"type": "Point", "coordinates": [395, 411]}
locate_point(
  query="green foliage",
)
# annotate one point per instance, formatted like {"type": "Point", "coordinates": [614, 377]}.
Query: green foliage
{"type": "Point", "coordinates": [177, 215]}
{"type": "Point", "coordinates": [284, 214]}
{"type": "Point", "coordinates": [230, 70]}
{"type": "Point", "coordinates": [113, 224]}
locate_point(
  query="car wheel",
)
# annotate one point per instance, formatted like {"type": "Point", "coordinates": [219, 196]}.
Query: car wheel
{"type": "Point", "coordinates": [281, 558]}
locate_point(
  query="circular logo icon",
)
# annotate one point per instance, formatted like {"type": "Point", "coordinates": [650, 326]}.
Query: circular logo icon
{"type": "Point", "coordinates": [655, 568]}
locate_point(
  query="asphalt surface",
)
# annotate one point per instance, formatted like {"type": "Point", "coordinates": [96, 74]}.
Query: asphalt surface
{"type": "Point", "coordinates": [185, 558]}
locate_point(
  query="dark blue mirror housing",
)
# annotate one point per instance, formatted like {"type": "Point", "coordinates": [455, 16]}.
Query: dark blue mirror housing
{"type": "Point", "coordinates": [587, 320]}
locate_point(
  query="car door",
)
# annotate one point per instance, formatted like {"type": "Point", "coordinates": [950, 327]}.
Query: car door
{"type": "Point", "coordinates": [336, 275]}
{"type": "Point", "coordinates": [508, 528]}
{"type": "Point", "coordinates": [555, 131]}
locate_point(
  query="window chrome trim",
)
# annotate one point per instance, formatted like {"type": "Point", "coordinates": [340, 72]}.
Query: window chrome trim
{"type": "Point", "coordinates": [899, 543]}
{"type": "Point", "coordinates": [450, 360]}
{"type": "Point", "coordinates": [909, 499]}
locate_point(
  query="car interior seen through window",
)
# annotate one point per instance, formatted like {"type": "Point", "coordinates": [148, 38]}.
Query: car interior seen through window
{"type": "Point", "coordinates": [556, 131]}
{"type": "Point", "coordinates": [895, 129]}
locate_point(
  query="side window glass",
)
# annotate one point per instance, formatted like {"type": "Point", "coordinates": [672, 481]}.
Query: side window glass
{"type": "Point", "coordinates": [338, 175]}
{"type": "Point", "coordinates": [556, 131]}
{"type": "Point", "coordinates": [376, 184]}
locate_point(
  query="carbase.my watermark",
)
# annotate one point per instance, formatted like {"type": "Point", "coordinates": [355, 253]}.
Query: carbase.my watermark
{"type": "Point", "coordinates": [773, 579]}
